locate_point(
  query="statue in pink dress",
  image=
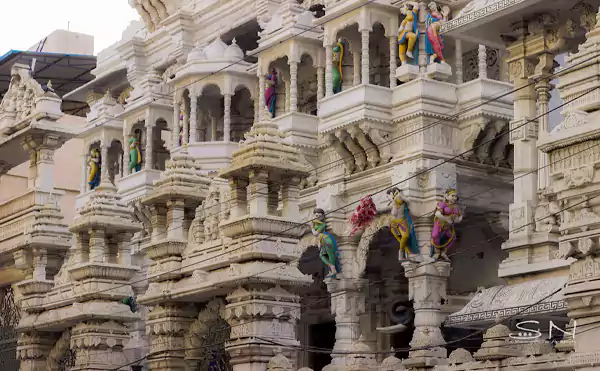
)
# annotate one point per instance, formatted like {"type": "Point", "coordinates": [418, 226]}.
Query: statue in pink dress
{"type": "Point", "coordinates": [434, 42]}
{"type": "Point", "coordinates": [271, 92]}
{"type": "Point", "coordinates": [447, 215]}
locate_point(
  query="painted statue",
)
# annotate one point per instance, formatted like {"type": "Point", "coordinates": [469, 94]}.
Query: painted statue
{"type": "Point", "coordinates": [401, 224]}
{"type": "Point", "coordinates": [135, 155]}
{"type": "Point", "coordinates": [434, 42]}
{"type": "Point", "coordinates": [338, 59]}
{"type": "Point", "coordinates": [408, 33]}
{"type": "Point", "coordinates": [271, 91]}
{"type": "Point", "coordinates": [447, 215]}
{"type": "Point", "coordinates": [328, 251]}
{"type": "Point", "coordinates": [94, 169]}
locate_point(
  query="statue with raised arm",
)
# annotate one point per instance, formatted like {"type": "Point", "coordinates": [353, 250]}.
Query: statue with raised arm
{"type": "Point", "coordinates": [271, 92]}
{"type": "Point", "coordinates": [434, 42]}
{"type": "Point", "coordinates": [408, 33]}
{"type": "Point", "coordinates": [338, 59]}
{"type": "Point", "coordinates": [135, 155]}
{"type": "Point", "coordinates": [401, 224]}
{"type": "Point", "coordinates": [447, 215]}
{"type": "Point", "coordinates": [94, 169]}
{"type": "Point", "coordinates": [328, 251]}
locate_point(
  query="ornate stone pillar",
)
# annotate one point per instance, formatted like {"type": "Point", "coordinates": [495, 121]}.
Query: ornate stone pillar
{"type": "Point", "coordinates": [261, 92]}
{"type": "Point", "coordinates": [365, 64]}
{"type": "Point", "coordinates": [186, 122]}
{"type": "Point", "coordinates": [328, 70]}
{"type": "Point", "coordinates": [175, 218]}
{"type": "Point", "coordinates": [84, 172]}
{"type": "Point", "coordinates": [458, 61]}
{"type": "Point", "coordinates": [320, 82]}
{"type": "Point", "coordinates": [393, 58]}
{"type": "Point", "coordinates": [356, 67]}
{"type": "Point", "coordinates": [33, 349]}
{"type": "Point", "coordinates": [426, 289]}
{"type": "Point", "coordinates": [227, 118]}
{"type": "Point", "coordinates": [99, 345]}
{"type": "Point", "coordinates": [41, 159]}
{"type": "Point", "coordinates": [149, 155]}
{"type": "Point", "coordinates": [290, 197]}
{"type": "Point", "coordinates": [239, 197]}
{"type": "Point", "coordinates": [525, 151]}
{"type": "Point", "coordinates": [32, 174]}
{"type": "Point", "coordinates": [293, 86]}
{"type": "Point", "coordinates": [104, 163]}
{"type": "Point", "coordinates": [257, 197]}
{"type": "Point", "coordinates": [249, 346]}
{"type": "Point", "coordinates": [167, 325]}
{"type": "Point", "coordinates": [543, 87]}
{"type": "Point", "coordinates": [482, 61]}
{"type": "Point", "coordinates": [193, 118]}
{"type": "Point", "coordinates": [97, 245]}
{"type": "Point", "coordinates": [125, 155]}
{"type": "Point", "coordinates": [176, 123]}
{"type": "Point", "coordinates": [348, 301]}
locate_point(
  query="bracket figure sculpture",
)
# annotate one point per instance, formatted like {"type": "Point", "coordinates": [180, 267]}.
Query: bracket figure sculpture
{"type": "Point", "coordinates": [94, 169]}
{"type": "Point", "coordinates": [328, 251]}
{"type": "Point", "coordinates": [338, 59]}
{"type": "Point", "coordinates": [271, 91]}
{"type": "Point", "coordinates": [401, 225]}
{"type": "Point", "coordinates": [408, 33]}
{"type": "Point", "coordinates": [135, 155]}
{"type": "Point", "coordinates": [434, 42]}
{"type": "Point", "coordinates": [447, 215]}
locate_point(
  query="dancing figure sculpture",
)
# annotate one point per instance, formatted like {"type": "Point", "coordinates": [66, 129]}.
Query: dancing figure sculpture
{"type": "Point", "coordinates": [135, 155]}
{"type": "Point", "coordinates": [401, 224]}
{"type": "Point", "coordinates": [408, 33]}
{"type": "Point", "coordinates": [328, 251]}
{"type": "Point", "coordinates": [271, 92]}
{"type": "Point", "coordinates": [94, 169]}
{"type": "Point", "coordinates": [447, 215]}
{"type": "Point", "coordinates": [434, 43]}
{"type": "Point", "coordinates": [338, 58]}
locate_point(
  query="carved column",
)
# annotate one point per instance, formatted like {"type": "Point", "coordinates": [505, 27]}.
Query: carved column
{"type": "Point", "coordinates": [348, 301]}
{"type": "Point", "coordinates": [186, 122]}
{"type": "Point", "coordinates": [33, 349]}
{"type": "Point", "coordinates": [98, 345]}
{"type": "Point", "coordinates": [365, 64]}
{"type": "Point", "coordinates": [356, 67]}
{"type": "Point", "coordinates": [32, 174]}
{"type": "Point", "coordinates": [239, 197]}
{"type": "Point", "coordinates": [261, 93]}
{"type": "Point", "coordinates": [275, 321]}
{"type": "Point", "coordinates": [193, 118]}
{"type": "Point", "coordinates": [328, 70]}
{"type": "Point", "coordinates": [426, 289]}
{"type": "Point", "coordinates": [84, 172]}
{"type": "Point", "coordinates": [290, 197]}
{"type": "Point", "coordinates": [166, 326]}
{"type": "Point", "coordinates": [482, 61]}
{"type": "Point", "coordinates": [543, 87]}
{"type": "Point", "coordinates": [227, 117]}
{"type": "Point", "coordinates": [175, 218]}
{"type": "Point", "coordinates": [41, 159]}
{"type": "Point", "coordinates": [257, 197]}
{"type": "Point", "coordinates": [458, 61]}
{"type": "Point", "coordinates": [320, 82]}
{"type": "Point", "coordinates": [293, 86]}
{"type": "Point", "coordinates": [393, 50]}
{"type": "Point", "coordinates": [104, 163]}
{"type": "Point", "coordinates": [149, 155]}
{"type": "Point", "coordinates": [525, 150]}
{"type": "Point", "coordinates": [176, 123]}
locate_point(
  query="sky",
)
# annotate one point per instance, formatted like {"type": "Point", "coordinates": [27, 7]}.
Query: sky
{"type": "Point", "coordinates": [26, 22]}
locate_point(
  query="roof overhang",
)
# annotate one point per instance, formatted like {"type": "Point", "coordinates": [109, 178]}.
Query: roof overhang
{"type": "Point", "coordinates": [66, 71]}
{"type": "Point", "coordinates": [526, 299]}
{"type": "Point", "coordinates": [485, 25]}
{"type": "Point", "coordinates": [114, 80]}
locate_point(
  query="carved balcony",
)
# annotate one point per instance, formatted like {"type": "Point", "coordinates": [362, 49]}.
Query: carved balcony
{"type": "Point", "coordinates": [487, 97]}
{"type": "Point", "coordinates": [137, 185]}
{"type": "Point", "coordinates": [361, 103]}
{"type": "Point", "coordinates": [212, 156]}
{"type": "Point", "coordinates": [299, 129]}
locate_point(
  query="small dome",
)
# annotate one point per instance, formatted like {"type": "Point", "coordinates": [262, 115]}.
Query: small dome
{"type": "Point", "coordinates": [361, 349]}
{"type": "Point", "coordinates": [216, 49]}
{"type": "Point", "coordinates": [233, 51]}
{"type": "Point", "coordinates": [197, 54]}
{"type": "Point", "coordinates": [392, 363]}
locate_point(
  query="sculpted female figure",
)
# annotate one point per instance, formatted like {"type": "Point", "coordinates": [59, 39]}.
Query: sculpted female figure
{"type": "Point", "coordinates": [271, 92]}
{"type": "Point", "coordinates": [328, 251]}
{"type": "Point", "coordinates": [135, 155]}
{"type": "Point", "coordinates": [94, 169]}
{"type": "Point", "coordinates": [447, 215]}
{"type": "Point", "coordinates": [338, 58]}
{"type": "Point", "coordinates": [434, 43]}
{"type": "Point", "coordinates": [401, 224]}
{"type": "Point", "coordinates": [408, 33]}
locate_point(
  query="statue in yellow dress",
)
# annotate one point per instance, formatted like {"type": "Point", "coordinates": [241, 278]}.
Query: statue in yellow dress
{"type": "Point", "coordinates": [94, 169]}
{"type": "Point", "coordinates": [408, 33]}
{"type": "Point", "coordinates": [401, 224]}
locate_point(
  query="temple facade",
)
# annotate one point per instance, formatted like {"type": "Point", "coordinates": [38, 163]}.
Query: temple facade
{"type": "Point", "coordinates": [314, 185]}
